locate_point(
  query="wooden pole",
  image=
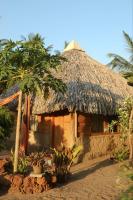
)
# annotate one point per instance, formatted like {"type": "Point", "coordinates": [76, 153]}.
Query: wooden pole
{"type": "Point", "coordinates": [17, 133]}
{"type": "Point", "coordinates": [27, 123]}
{"type": "Point", "coordinates": [130, 138]}
{"type": "Point", "coordinates": [75, 124]}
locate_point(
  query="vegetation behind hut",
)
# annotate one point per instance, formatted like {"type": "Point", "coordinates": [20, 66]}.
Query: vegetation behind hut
{"type": "Point", "coordinates": [6, 123]}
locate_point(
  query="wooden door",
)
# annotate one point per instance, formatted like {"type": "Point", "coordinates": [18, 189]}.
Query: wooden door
{"type": "Point", "coordinates": [63, 132]}
{"type": "Point", "coordinates": [45, 131]}
{"type": "Point", "coordinates": [56, 130]}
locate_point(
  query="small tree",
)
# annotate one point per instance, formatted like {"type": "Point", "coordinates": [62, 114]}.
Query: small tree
{"type": "Point", "coordinates": [125, 113]}
{"type": "Point", "coordinates": [28, 64]}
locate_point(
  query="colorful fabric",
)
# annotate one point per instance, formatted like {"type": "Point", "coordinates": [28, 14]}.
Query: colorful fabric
{"type": "Point", "coordinates": [8, 99]}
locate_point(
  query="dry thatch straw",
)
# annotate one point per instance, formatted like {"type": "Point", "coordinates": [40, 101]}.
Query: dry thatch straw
{"type": "Point", "coordinates": [92, 87]}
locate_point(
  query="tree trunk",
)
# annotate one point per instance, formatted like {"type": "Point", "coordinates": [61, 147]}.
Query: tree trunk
{"type": "Point", "coordinates": [130, 137]}
{"type": "Point", "coordinates": [18, 132]}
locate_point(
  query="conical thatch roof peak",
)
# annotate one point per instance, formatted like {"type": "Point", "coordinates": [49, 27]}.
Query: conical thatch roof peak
{"type": "Point", "coordinates": [73, 45]}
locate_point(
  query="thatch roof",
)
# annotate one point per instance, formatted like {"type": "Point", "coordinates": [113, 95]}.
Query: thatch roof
{"type": "Point", "coordinates": [92, 86]}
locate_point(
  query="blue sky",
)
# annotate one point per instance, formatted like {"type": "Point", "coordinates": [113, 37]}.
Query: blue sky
{"type": "Point", "coordinates": [96, 25]}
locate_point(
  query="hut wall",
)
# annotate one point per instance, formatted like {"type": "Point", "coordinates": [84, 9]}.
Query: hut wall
{"type": "Point", "coordinates": [53, 131]}
{"type": "Point", "coordinates": [94, 135]}
{"type": "Point", "coordinates": [95, 146]}
{"type": "Point", "coordinates": [57, 129]}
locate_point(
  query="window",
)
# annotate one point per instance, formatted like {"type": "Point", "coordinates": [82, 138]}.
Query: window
{"type": "Point", "coordinates": [84, 124]}
{"type": "Point", "coordinates": [114, 119]}
{"type": "Point", "coordinates": [96, 123]}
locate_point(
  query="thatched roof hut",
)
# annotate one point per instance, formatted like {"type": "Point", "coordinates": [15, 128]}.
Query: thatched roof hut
{"type": "Point", "coordinates": [84, 113]}
{"type": "Point", "coordinates": [92, 86]}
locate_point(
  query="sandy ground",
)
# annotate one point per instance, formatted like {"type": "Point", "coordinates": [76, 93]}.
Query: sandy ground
{"type": "Point", "coordinates": [97, 179]}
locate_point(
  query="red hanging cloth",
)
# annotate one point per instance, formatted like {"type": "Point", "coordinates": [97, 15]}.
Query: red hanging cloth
{"type": "Point", "coordinates": [25, 127]}
{"type": "Point", "coordinates": [8, 99]}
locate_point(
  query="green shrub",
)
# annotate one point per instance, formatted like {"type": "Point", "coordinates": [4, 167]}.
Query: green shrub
{"type": "Point", "coordinates": [121, 154]}
{"type": "Point", "coordinates": [63, 160]}
{"type": "Point", "coordinates": [128, 194]}
{"type": "Point", "coordinates": [23, 165]}
{"type": "Point", "coordinates": [23, 162]}
{"type": "Point", "coordinates": [6, 123]}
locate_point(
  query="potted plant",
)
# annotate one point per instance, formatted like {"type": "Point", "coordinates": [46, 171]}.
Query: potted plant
{"type": "Point", "coordinates": [41, 162]}
{"type": "Point", "coordinates": [37, 161]}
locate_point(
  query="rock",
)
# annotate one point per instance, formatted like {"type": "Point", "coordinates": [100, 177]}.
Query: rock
{"type": "Point", "coordinates": [14, 189]}
{"type": "Point", "coordinates": [33, 181]}
{"type": "Point", "coordinates": [17, 180]}
{"type": "Point", "coordinates": [28, 190]}
{"type": "Point", "coordinates": [41, 181]}
{"type": "Point", "coordinates": [27, 185]}
{"type": "Point", "coordinates": [38, 189]}
{"type": "Point", "coordinates": [27, 181]}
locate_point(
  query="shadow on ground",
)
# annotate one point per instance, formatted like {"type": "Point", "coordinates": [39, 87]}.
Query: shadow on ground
{"type": "Point", "coordinates": [82, 174]}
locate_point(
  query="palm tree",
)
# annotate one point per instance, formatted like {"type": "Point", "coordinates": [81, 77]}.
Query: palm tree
{"type": "Point", "coordinates": [27, 64]}
{"type": "Point", "coordinates": [126, 68]}
{"type": "Point", "coordinates": [123, 65]}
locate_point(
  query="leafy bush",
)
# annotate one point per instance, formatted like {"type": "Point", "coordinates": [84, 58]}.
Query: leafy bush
{"type": "Point", "coordinates": [6, 123]}
{"type": "Point", "coordinates": [23, 165]}
{"type": "Point", "coordinates": [63, 160]}
{"type": "Point", "coordinates": [23, 162]}
{"type": "Point", "coordinates": [121, 154]}
{"type": "Point", "coordinates": [125, 124]}
{"type": "Point", "coordinates": [128, 194]}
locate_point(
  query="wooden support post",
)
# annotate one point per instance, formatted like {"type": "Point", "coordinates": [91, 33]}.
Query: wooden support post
{"type": "Point", "coordinates": [75, 125]}
{"type": "Point", "coordinates": [28, 124]}
{"type": "Point", "coordinates": [17, 132]}
{"type": "Point", "coordinates": [130, 138]}
{"type": "Point", "coordinates": [53, 128]}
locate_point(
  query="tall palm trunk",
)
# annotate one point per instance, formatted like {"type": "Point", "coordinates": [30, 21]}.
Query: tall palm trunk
{"type": "Point", "coordinates": [130, 137]}
{"type": "Point", "coordinates": [17, 132]}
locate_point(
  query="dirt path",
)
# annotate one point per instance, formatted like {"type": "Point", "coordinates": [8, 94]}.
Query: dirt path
{"type": "Point", "coordinates": [96, 180]}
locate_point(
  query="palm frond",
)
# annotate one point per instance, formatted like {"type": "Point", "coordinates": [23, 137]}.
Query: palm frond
{"type": "Point", "coordinates": [120, 63]}
{"type": "Point", "coordinates": [129, 41]}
